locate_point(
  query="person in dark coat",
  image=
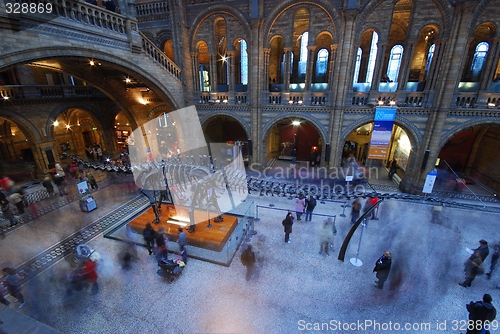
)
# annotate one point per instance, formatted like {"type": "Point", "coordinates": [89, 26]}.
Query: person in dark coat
{"type": "Point", "coordinates": [287, 224]}
{"type": "Point", "coordinates": [310, 205]}
{"type": "Point", "coordinates": [149, 237]}
{"type": "Point", "coordinates": [473, 266]}
{"type": "Point", "coordinates": [248, 260]}
{"type": "Point", "coordinates": [483, 249]}
{"type": "Point", "coordinates": [393, 169]}
{"type": "Point", "coordinates": [382, 268]}
{"type": "Point", "coordinates": [182, 241]}
{"type": "Point", "coordinates": [7, 212]}
{"type": "Point", "coordinates": [482, 313]}
{"type": "Point", "coordinates": [47, 183]}
{"type": "Point", "coordinates": [161, 245]}
{"type": "Point", "coordinates": [355, 209]}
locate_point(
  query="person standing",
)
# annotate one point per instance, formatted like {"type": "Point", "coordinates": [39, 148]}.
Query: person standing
{"type": "Point", "coordinates": [310, 205]}
{"type": "Point", "coordinates": [287, 224]}
{"type": "Point", "coordinates": [149, 237]}
{"type": "Point", "coordinates": [325, 238]}
{"type": "Point", "coordinates": [182, 241]}
{"type": "Point", "coordinates": [494, 259]}
{"type": "Point", "coordinates": [91, 180]}
{"type": "Point", "coordinates": [17, 199]}
{"type": "Point", "coordinates": [473, 266]}
{"type": "Point", "coordinates": [47, 183]}
{"type": "Point", "coordinates": [7, 212]}
{"type": "Point", "coordinates": [355, 209]}
{"type": "Point", "coordinates": [161, 245]}
{"type": "Point", "coordinates": [60, 179]}
{"type": "Point", "coordinates": [382, 268]}
{"type": "Point", "coordinates": [300, 204]}
{"type": "Point", "coordinates": [393, 169]}
{"type": "Point", "coordinates": [248, 260]}
{"type": "Point", "coordinates": [13, 283]}
{"type": "Point", "coordinates": [481, 314]}
{"type": "Point", "coordinates": [483, 249]}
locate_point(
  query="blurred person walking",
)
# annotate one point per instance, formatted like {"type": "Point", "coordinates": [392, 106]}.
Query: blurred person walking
{"type": "Point", "coordinates": [494, 259]}
{"type": "Point", "coordinates": [325, 238]}
{"type": "Point", "coordinates": [382, 268]}
{"type": "Point", "coordinates": [248, 260]}
{"type": "Point", "coordinates": [88, 274]}
{"type": "Point", "coordinates": [13, 283]}
{"type": "Point", "coordinates": [355, 210]}
{"type": "Point", "coordinates": [472, 267]}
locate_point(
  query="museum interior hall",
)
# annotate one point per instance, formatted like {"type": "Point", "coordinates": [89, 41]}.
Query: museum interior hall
{"type": "Point", "coordinates": [213, 118]}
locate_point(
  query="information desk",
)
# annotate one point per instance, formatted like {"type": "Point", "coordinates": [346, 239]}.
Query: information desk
{"type": "Point", "coordinates": [87, 203]}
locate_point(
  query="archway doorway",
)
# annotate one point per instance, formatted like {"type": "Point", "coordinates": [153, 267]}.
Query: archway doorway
{"type": "Point", "coordinates": [471, 158]}
{"type": "Point", "coordinates": [226, 129]}
{"type": "Point", "coordinates": [294, 138]}
{"type": "Point", "coordinates": [18, 161]}
{"type": "Point", "coordinates": [75, 130]}
{"type": "Point", "coordinates": [399, 149]}
{"type": "Point", "coordinates": [122, 131]}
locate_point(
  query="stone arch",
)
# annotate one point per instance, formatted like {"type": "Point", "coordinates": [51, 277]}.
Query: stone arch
{"type": "Point", "coordinates": [330, 9]}
{"type": "Point", "coordinates": [266, 128]}
{"type": "Point", "coordinates": [206, 118]}
{"type": "Point", "coordinates": [442, 5]}
{"type": "Point", "coordinates": [28, 128]}
{"type": "Point", "coordinates": [213, 10]}
{"type": "Point", "coordinates": [484, 121]}
{"type": "Point", "coordinates": [414, 134]}
{"type": "Point", "coordinates": [121, 63]}
{"type": "Point", "coordinates": [94, 114]}
{"type": "Point", "coordinates": [154, 112]}
{"type": "Point", "coordinates": [478, 13]}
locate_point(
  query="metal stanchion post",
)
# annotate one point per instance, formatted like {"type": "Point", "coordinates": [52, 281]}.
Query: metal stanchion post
{"type": "Point", "coordinates": [356, 261]}
{"type": "Point", "coordinates": [343, 211]}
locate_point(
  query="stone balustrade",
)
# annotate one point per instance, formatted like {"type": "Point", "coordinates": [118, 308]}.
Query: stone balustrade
{"type": "Point", "coordinates": [21, 92]}
{"type": "Point", "coordinates": [158, 56]}
{"type": "Point", "coordinates": [152, 11]}
{"type": "Point", "coordinates": [89, 14]}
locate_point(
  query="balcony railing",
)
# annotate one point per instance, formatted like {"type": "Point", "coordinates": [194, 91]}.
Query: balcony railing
{"type": "Point", "coordinates": [91, 15]}
{"type": "Point", "coordinates": [21, 92]}
{"type": "Point", "coordinates": [152, 11]}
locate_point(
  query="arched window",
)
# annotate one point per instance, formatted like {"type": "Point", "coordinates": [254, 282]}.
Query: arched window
{"type": "Point", "coordinates": [321, 62]}
{"type": "Point", "coordinates": [478, 61]}
{"type": "Point", "coordinates": [244, 62]}
{"type": "Point", "coordinates": [372, 58]}
{"type": "Point", "coordinates": [394, 62]}
{"type": "Point", "coordinates": [357, 66]}
{"type": "Point", "coordinates": [428, 63]}
{"type": "Point", "coordinates": [303, 53]}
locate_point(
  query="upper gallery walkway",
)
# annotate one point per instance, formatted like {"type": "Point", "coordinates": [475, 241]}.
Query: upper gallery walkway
{"type": "Point", "coordinates": [81, 31]}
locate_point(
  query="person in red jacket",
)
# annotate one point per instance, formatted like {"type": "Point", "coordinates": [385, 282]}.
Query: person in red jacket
{"type": "Point", "coordinates": [89, 275]}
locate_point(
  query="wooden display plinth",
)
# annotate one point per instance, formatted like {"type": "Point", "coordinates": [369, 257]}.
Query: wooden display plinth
{"type": "Point", "coordinates": [213, 238]}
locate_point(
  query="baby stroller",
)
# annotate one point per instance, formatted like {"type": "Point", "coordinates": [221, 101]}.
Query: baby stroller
{"type": "Point", "coordinates": [170, 269]}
